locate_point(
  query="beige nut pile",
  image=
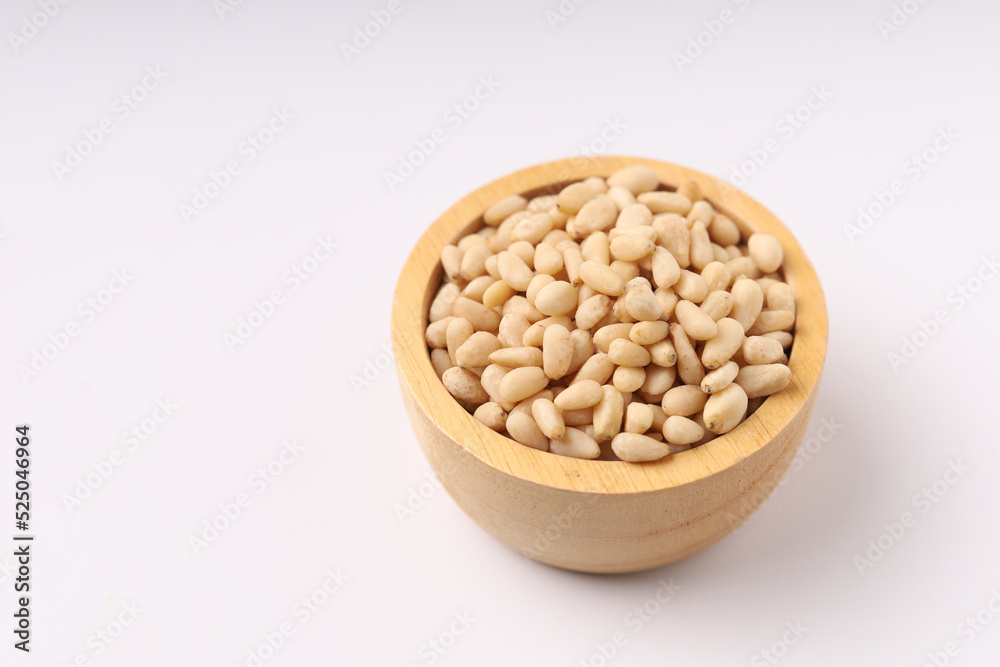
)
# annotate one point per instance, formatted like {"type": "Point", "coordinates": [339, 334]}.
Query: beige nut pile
{"type": "Point", "coordinates": [615, 313]}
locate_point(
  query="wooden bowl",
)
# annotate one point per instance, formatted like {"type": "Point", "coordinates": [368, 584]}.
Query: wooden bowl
{"type": "Point", "coordinates": [604, 516]}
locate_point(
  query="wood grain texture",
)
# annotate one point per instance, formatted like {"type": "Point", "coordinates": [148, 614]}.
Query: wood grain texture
{"type": "Point", "coordinates": [604, 516]}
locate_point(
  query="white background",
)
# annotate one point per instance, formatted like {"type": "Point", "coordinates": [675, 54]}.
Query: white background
{"type": "Point", "coordinates": [335, 506]}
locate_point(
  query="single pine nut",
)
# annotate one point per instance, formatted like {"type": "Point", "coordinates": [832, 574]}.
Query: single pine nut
{"type": "Point", "coordinates": [742, 267]}
{"type": "Point", "coordinates": [535, 334]}
{"type": "Point", "coordinates": [525, 405]}
{"type": "Point", "coordinates": [521, 383]}
{"type": "Point", "coordinates": [725, 409]}
{"type": "Point", "coordinates": [691, 286]}
{"type": "Point", "coordinates": [492, 415]}
{"type": "Point", "coordinates": [716, 276]}
{"type": "Point", "coordinates": [638, 418]}
{"type": "Point", "coordinates": [436, 333]}
{"type": "Point", "coordinates": [658, 380]}
{"type": "Point", "coordinates": [637, 179]}
{"type": "Point", "coordinates": [631, 247]}
{"type": "Point", "coordinates": [459, 330]}
{"type": "Point", "coordinates": [675, 237]}
{"type": "Point", "coordinates": [596, 247]}
{"type": "Point", "coordinates": [597, 368]}
{"type": "Point", "coordinates": [682, 431]}
{"type": "Point", "coordinates": [497, 294]}
{"type": "Point", "coordinates": [758, 350]}
{"type": "Point", "coordinates": [724, 231]}
{"type": "Point", "coordinates": [481, 317]}
{"type": "Point", "coordinates": [548, 418]}
{"type": "Point", "coordinates": [548, 260]}
{"type": "Point", "coordinates": [647, 333]}
{"type": "Point", "coordinates": [533, 229]}
{"type": "Point", "coordinates": [440, 361]}
{"type": "Point", "coordinates": [627, 270]}
{"type": "Point", "coordinates": [720, 348]}
{"type": "Point", "coordinates": [666, 271]}
{"type": "Point", "coordinates": [464, 385]}
{"type": "Point", "coordinates": [663, 353]}
{"type": "Point", "coordinates": [596, 215]}
{"type": "Point", "coordinates": [557, 351]}
{"type": "Point", "coordinates": [601, 278]}
{"type": "Point", "coordinates": [512, 328]}
{"type": "Point", "coordinates": [477, 288]}
{"type": "Point", "coordinates": [645, 231]}
{"type": "Point", "coordinates": [606, 334]}
{"type": "Point", "coordinates": [719, 253]}
{"type": "Point", "coordinates": [659, 417]}
{"type": "Point", "coordinates": [688, 365]}
{"type": "Point", "coordinates": [626, 353]}
{"type": "Point", "coordinates": [634, 215]}
{"type": "Point", "coordinates": [578, 395]}
{"type": "Point", "coordinates": [665, 202]}
{"type": "Point", "coordinates": [451, 262]}
{"type": "Point", "coordinates": [507, 206]}
{"type": "Point", "coordinates": [583, 349]}
{"type": "Point", "coordinates": [579, 417]}
{"type": "Point", "coordinates": [572, 259]}
{"type": "Point", "coordinates": [517, 357]}
{"type": "Point", "coordinates": [577, 444]}
{"type": "Point", "coordinates": [592, 310]}
{"type": "Point", "coordinates": [490, 265]}
{"type": "Point", "coordinates": [627, 379]}
{"type": "Point", "coordinates": [523, 428]}
{"type": "Point", "coordinates": [514, 271]}
{"type": "Point", "coordinates": [642, 304]}
{"type": "Point", "coordinates": [490, 379]}
{"type": "Point", "coordinates": [717, 304]}
{"type": "Point", "coordinates": [622, 197]}
{"type": "Point", "coordinates": [771, 320]}
{"type": "Point", "coordinates": [597, 184]}
{"type": "Point", "coordinates": [636, 448]}
{"type": "Point", "coordinates": [747, 302]}
{"type": "Point", "coordinates": [766, 251]}
{"type": "Point", "coordinates": [784, 338]}
{"type": "Point", "coordinates": [607, 415]}
{"type": "Point", "coordinates": [691, 190]}
{"type": "Point", "coordinates": [474, 262]}
{"type": "Point", "coordinates": [441, 306]}
{"type": "Point", "coordinates": [542, 203]}
{"type": "Point", "coordinates": [556, 298]}
{"type": "Point", "coordinates": [668, 301]}
{"type": "Point", "coordinates": [720, 378]}
{"type": "Point", "coordinates": [701, 211]}
{"type": "Point", "coordinates": [573, 197]}
{"type": "Point", "coordinates": [701, 246]}
{"type": "Point", "coordinates": [684, 400]}
{"type": "Point", "coordinates": [697, 324]}
{"type": "Point", "coordinates": [763, 380]}
{"type": "Point", "coordinates": [476, 350]}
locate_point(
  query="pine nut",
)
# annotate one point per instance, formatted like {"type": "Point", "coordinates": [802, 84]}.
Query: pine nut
{"type": "Point", "coordinates": [441, 306]}
{"type": "Point", "coordinates": [577, 444]}
{"type": "Point", "coordinates": [725, 409]}
{"type": "Point", "coordinates": [436, 333]}
{"type": "Point", "coordinates": [497, 294]}
{"type": "Point", "coordinates": [759, 350]}
{"type": "Point", "coordinates": [742, 267]}
{"type": "Point", "coordinates": [631, 247]}
{"type": "Point", "coordinates": [626, 353]}
{"type": "Point", "coordinates": [556, 298]}
{"type": "Point", "coordinates": [668, 301]}
{"type": "Point", "coordinates": [634, 215]}
{"type": "Point", "coordinates": [514, 271]}
{"type": "Point", "coordinates": [542, 203]}
{"type": "Point", "coordinates": [717, 304]}
{"type": "Point", "coordinates": [579, 417]}
{"type": "Point", "coordinates": [627, 270]}
{"type": "Point", "coordinates": [784, 338]}
{"type": "Point", "coordinates": [440, 361]}
{"type": "Point", "coordinates": [696, 323]}
{"type": "Point", "coordinates": [682, 431]}
{"type": "Point", "coordinates": [666, 271]}
{"type": "Point", "coordinates": [701, 211]}
{"type": "Point", "coordinates": [573, 197]}
{"type": "Point", "coordinates": [592, 310]}
{"type": "Point", "coordinates": [771, 320]}
{"type": "Point", "coordinates": [535, 334]}
{"type": "Point", "coordinates": [523, 428]}
{"type": "Point", "coordinates": [557, 351]}
{"type": "Point", "coordinates": [637, 448]}
{"type": "Point", "coordinates": [747, 302]}
{"type": "Point", "coordinates": [720, 378]}
{"type": "Point", "coordinates": [582, 394]}
{"type": "Point", "coordinates": [719, 253]}
{"type": "Point", "coordinates": [521, 383]}
{"type": "Point", "coordinates": [481, 317]}
{"type": "Point", "coordinates": [665, 202]}
{"type": "Point", "coordinates": [533, 229]}
{"type": "Point", "coordinates": [763, 380]}
{"type": "Point", "coordinates": [642, 304]}
{"type": "Point", "coordinates": [520, 305]}
{"type": "Point", "coordinates": [596, 247]}
{"type": "Point", "coordinates": [720, 348]}
{"type": "Point", "coordinates": [572, 260]}
{"type": "Point", "coordinates": [724, 231]}
{"type": "Point", "coordinates": [684, 400]}
{"type": "Point", "coordinates": [476, 350]}
{"type": "Point", "coordinates": [490, 379]}
{"type": "Point", "coordinates": [688, 365]}
{"type": "Point", "coordinates": [464, 385]}
{"type": "Point", "coordinates": [507, 206]}
{"type": "Point", "coordinates": [638, 418]}
{"type": "Point", "coordinates": [608, 413]}
{"type": "Point", "coordinates": [597, 368]}
{"type": "Point", "coordinates": [596, 215]}
{"type": "Point", "coordinates": [701, 246]}
{"type": "Point", "coordinates": [691, 190]}
{"type": "Point", "coordinates": [517, 357]}
{"type": "Point", "coordinates": [663, 353]}
{"type": "Point", "coordinates": [492, 415]}
{"type": "Point", "coordinates": [459, 330]}
{"type": "Point", "coordinates": [716, 276]}
{"type": "Point", "coordinates": [646, 333]}
{"type": "Point", "coordinates": [766, 252]}
{"type": "Point", "coordinates": [605, 335]}
{"type": "Point", "coordinates": [636, 179]}
{"type": "Point", "coordinates": [601, 278]}
{"type": "Point", "coordinates": [548, 260]}
{"type": "Point", "coordinates": [675, 237]}
{"type": "Point", "coordinates": [451, 262]}
{"type": "Point", "coordinates": [474, 262]}
{"type": "Point", "coordinates": [548, 418]}
{"type": "Point", "coordinates": [597, 184]}
{"type": "Point", "coordinates": [512, 328]}
{"type": "Point", "coordinates": [627, 379]}
{"type": "Point", "coordinates": [490, 265]}
{"type": "Point", "coordinates": [658, 380]}
{"type": "Point", "coordinates": [691, 286]}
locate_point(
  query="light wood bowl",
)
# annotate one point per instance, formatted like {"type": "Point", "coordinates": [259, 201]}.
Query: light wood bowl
{"type": "Point", "coordinates": [604, 516]}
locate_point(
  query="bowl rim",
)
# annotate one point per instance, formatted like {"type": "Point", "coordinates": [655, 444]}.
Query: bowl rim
{"type": "Point", "coordinates": [421, 273]}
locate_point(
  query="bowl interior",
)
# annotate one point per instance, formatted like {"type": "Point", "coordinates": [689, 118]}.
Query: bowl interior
{"type": "Point", "coordinates": [421, 277]}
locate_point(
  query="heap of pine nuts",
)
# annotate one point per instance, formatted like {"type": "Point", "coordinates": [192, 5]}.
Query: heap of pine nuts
{"type": "Point", "coordinates": [615, 313]}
